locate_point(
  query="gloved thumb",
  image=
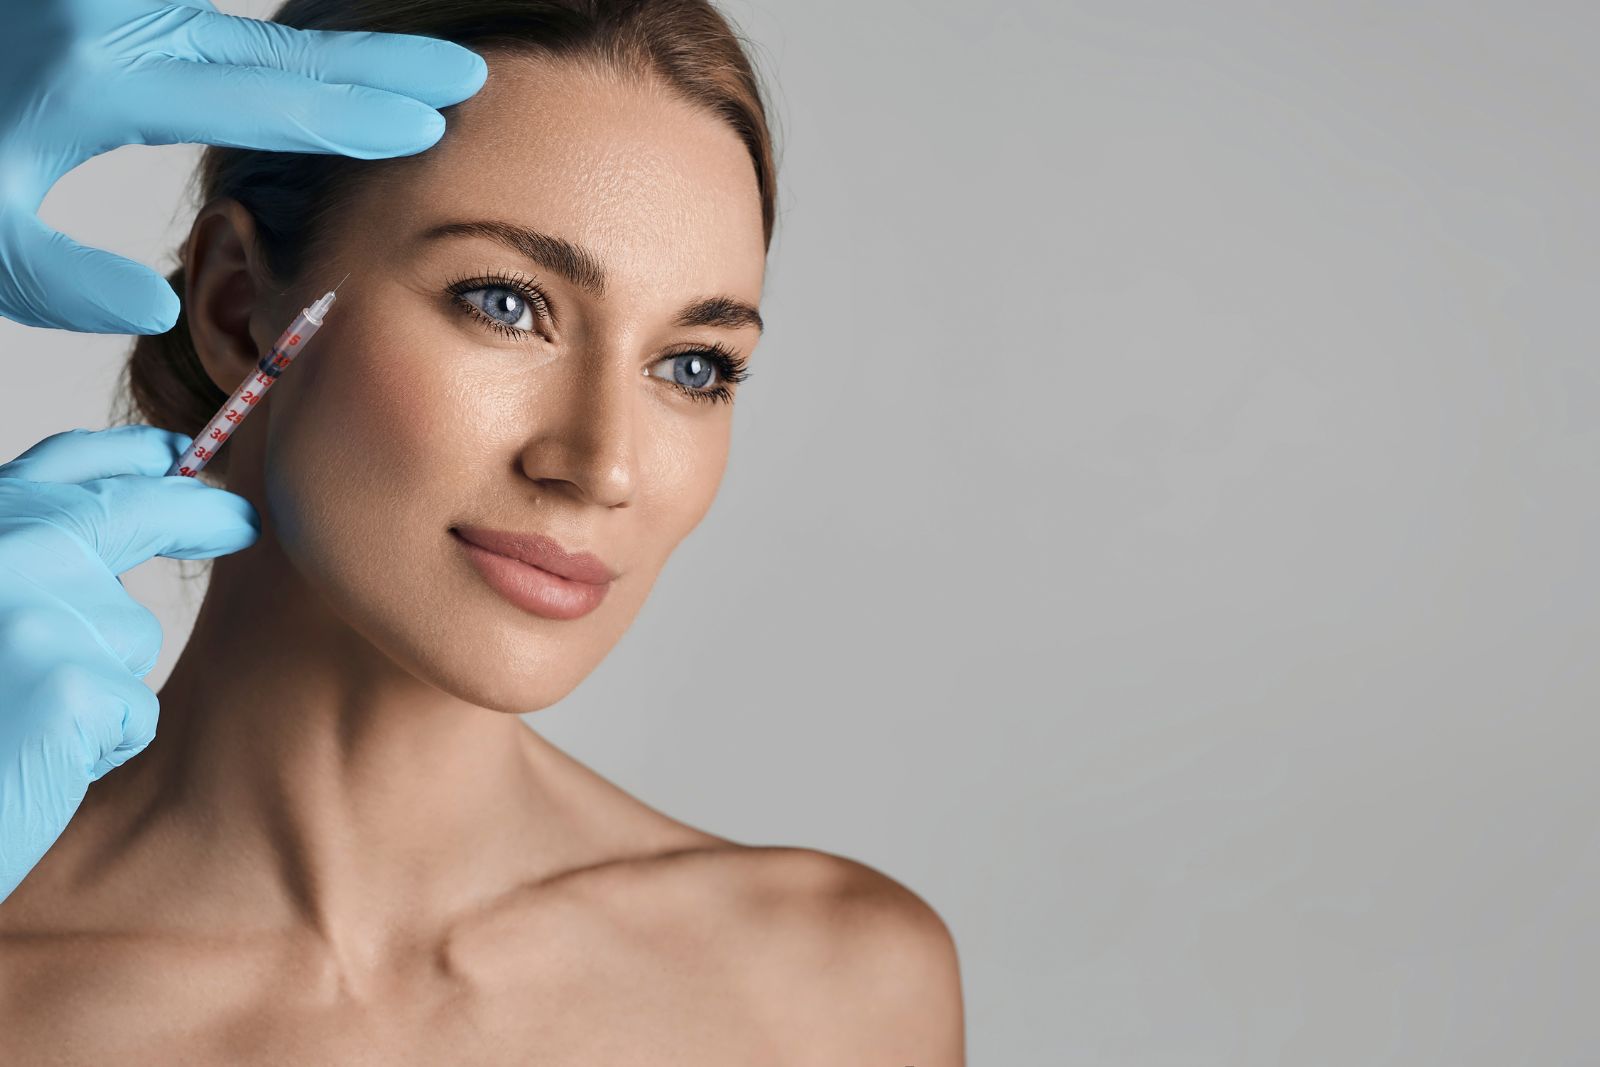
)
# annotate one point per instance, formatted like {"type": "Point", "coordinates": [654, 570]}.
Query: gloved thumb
{"type": "Point", "coordinates": [47, 279]}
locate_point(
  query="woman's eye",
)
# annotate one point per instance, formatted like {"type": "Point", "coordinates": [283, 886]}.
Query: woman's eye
{"type": "Point", "coordinates": [506, 306]}
{"type": "Point", "coordinates": [691, 371]}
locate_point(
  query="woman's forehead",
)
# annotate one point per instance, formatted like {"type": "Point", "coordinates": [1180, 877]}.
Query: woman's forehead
{"type": "Point", "coordinates": [610, 163]}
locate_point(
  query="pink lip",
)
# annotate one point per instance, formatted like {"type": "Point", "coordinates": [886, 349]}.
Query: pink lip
{"type": "Point", "coordinates": [527, 578]}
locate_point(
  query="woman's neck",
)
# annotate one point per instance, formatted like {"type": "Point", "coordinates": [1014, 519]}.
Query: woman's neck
{"type": "Point", "coordinates": [300, 779]}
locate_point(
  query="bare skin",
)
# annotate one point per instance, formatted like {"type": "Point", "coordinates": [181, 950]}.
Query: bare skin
{"type": "Point", "coordinates": [343, 845]}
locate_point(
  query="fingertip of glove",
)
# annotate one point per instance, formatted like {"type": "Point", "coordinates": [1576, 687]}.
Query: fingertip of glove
{"type": "Point", "coordinates": [478, 70]}
{"type": "Point", "coordinates": [162, 313]}
{"type": "Point", "coordinates": [461, 71]}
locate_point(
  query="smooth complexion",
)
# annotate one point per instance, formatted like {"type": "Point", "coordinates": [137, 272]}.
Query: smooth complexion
{"type": "Point", "coordinates": [354, 848]}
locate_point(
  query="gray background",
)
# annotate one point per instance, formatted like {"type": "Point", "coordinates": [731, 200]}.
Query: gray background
{"type": "Point", "coordinates": [1200, 400]}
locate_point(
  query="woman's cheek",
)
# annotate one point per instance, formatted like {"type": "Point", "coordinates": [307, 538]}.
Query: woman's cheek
{"type": "Point", "coordinates": [355, 425]}
{"type": "Point", "coordinates": [400, 405]}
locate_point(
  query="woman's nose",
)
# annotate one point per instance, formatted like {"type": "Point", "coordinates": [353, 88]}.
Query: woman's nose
{"type": "Point", "coordinates": [583, 436]}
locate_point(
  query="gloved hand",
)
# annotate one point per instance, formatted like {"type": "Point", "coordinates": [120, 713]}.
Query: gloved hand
{"type": "Point", "coordinates": [81, 77]}
{"type": "Point", "coordinates": [76, 510]}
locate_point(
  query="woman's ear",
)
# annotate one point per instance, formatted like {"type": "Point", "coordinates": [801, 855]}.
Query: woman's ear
{"type": "Point", "coordinates": [223, 289]}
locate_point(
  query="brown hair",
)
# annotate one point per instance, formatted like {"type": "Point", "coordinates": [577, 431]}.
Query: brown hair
{"type": "Point", "coordinates": [687, 44]}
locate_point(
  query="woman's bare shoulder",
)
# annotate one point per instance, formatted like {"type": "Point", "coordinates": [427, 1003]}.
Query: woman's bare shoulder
{"type": "Point", "coordinates": [825, 943]}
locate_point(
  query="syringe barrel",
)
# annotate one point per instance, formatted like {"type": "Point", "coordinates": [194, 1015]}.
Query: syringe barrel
{"type": "Point", "coordinates": [246, 396]}
{"type": "Point", "coordinates": [289, 343]}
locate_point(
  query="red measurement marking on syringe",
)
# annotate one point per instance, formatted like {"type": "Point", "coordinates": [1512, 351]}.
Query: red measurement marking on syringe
{"type": "Point", "coordinates": [265, 377]}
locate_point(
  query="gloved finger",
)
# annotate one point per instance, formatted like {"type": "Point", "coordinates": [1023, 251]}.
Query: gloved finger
{"type": "Point", "coordinates": [78, 455]}
{"type": "Point", "coordinates": [66, 695]}
{"type": "Point", "coordinates": [140, 713]}
{"type": "Point", "coordinates": [49, 280]}
{"type": "Point", "coordinates": [60, 595]}
{"type": "Point", "coordinates": [434, 71]}
{"type": "Point", "coordinates": [103, 709]}
{"type": "Point", "coordinates": [127, 519]}
{"type": "Point", "coordinates": [127, 629]}
{"type": "Point", "coordinates": [273, 110]}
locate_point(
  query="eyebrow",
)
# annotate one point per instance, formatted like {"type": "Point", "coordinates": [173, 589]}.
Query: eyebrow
{"type": "Point", "coordinates": [582, 268]}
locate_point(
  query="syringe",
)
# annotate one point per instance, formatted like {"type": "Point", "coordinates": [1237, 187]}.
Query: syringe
{"type": "Point", "coordinates": [253, 388]}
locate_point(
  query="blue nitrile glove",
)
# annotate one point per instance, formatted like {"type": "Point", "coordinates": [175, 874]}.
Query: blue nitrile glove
{"type": "Point", "coordinates": [76, 510]}
{"type": "Point", "coordinates": [81, 77]}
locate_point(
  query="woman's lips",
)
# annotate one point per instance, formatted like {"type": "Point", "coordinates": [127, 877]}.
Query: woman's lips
{"type": "Point", "coordinates": [533, 588]}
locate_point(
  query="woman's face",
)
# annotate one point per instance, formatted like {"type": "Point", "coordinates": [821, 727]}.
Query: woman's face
{"type": "Point", "coordinates": [411, 414]}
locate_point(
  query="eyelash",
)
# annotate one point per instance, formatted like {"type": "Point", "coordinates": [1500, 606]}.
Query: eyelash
{"type": "Point", "coordinates": [729, 365]}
